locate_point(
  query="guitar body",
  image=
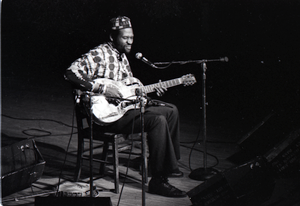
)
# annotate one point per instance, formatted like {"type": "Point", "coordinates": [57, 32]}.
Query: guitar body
{"type": "Point", "coordinates": [108, 109]}
{"type": "Point", "coordinates": [107, 112]}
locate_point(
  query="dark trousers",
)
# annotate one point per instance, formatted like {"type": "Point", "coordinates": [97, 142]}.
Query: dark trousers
{"type": "Point", "coordinates": [161, 122]}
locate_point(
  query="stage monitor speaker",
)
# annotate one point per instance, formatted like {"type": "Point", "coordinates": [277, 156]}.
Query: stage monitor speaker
{"type": "Point", "coordinates": [247, 185]}
{"type": "Point", "coordinates": [22, 164]}
{"type": "Point", "coordinates": [264, 136]}
{"type": "Point", "coordinates": [72, 201]}
{"type": "Point", "coordinates": [285, 156]}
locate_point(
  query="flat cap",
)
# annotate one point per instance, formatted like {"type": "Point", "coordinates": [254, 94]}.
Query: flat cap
{"type": "Point", "coordinates": [120, 22]}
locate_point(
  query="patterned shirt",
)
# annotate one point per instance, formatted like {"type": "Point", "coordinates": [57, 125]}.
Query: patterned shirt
{"type": "Point", "coordinates": [104, 61]}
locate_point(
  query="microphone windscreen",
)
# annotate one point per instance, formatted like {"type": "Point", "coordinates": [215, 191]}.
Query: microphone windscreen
{"type": "Point", "coordinates": [138, 55]}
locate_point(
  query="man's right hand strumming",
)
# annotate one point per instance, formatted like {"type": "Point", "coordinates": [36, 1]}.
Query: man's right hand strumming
{"type": "Point", "coordinates": [112, 92]}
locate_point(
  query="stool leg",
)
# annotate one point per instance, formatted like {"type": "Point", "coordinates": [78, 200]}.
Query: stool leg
{"type": "Point", "coordinates": [80, 148]}
{"type": "Point", "coordinates": [103, 157]}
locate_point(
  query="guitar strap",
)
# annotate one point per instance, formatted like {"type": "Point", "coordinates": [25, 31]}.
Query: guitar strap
{"type": "Point", "coordinates": [154, 102]}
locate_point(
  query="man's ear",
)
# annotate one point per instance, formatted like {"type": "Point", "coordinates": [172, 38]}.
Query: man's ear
{"type": "Point", "coordinates": [110, 38]}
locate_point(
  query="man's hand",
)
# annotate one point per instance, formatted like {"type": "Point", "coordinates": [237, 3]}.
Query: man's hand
{"type": "Point", "coordinates": [160, 90]}
{"type": "Point", "coordinates": [113, 92]}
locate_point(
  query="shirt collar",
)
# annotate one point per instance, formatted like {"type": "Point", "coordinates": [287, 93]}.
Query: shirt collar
{"type": "Point", "coordinates": [119, 55]}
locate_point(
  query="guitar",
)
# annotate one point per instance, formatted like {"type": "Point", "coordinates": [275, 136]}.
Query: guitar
{"type": "Point", "coordinates": [107, 109]}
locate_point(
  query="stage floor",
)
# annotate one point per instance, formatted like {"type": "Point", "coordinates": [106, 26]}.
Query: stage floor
{"type": "Point", "coordinates": [43, 111]}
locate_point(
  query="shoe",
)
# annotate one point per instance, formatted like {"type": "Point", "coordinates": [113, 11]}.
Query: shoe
{"type": "Point", "coordinates": [176, 174]}
{"type": "Point", "coordinates": [161, 186]}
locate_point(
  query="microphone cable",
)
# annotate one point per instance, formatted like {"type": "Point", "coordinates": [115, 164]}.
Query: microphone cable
{"type": "Point", "coordinates": [193, 148]}
{"type": "Point", "coordinates": [32, 119]}
{"type": "Point", "coordinates": [128, 161]}
{"type": "Point", "coordinates": [49, 134]}
{"type": "Point", "coordinates": [66, 154]}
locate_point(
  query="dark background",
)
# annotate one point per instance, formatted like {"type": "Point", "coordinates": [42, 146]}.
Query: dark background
{"type": "Point", "coordinates": [41, 38]}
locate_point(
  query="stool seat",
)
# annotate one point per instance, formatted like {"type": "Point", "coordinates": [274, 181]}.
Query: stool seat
{"type": "Point", "coordinates": [118, 142]}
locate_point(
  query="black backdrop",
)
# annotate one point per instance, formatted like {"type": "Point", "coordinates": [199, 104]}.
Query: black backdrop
{"type": "Point", "coordinates": [41, 38]}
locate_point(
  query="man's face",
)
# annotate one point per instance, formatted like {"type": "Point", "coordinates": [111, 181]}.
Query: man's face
{"type": "Point", "coordinates": [124, 40]}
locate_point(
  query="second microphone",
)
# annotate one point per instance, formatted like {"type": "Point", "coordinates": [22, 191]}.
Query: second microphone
{"type": "Point", "coordinates": [140, 56]}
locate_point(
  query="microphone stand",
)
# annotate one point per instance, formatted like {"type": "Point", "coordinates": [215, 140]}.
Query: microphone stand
{"type": "Point", "coordinates": [221, 59]}
{"type": "Point", "coordinates": [204, 173]}
{"type": "Point", "coordinates": [144, 157]}
{"type": "Point", "coordinates": [91, 151]}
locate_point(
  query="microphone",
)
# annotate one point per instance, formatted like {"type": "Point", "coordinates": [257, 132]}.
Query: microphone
{"type": "Point", "coordinates": [140, 56]}
{"type": "Point", "coordinates": [223, 59]}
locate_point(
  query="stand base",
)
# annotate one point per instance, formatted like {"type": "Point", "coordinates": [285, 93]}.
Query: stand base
{"type": "Point", "coordinates": [202, 174]}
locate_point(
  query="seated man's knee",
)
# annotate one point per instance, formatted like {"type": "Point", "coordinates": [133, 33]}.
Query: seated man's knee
{"type": "Point", "coordinates": [161, 119]}
{"type": "Point", "coordinates": [173, 110]}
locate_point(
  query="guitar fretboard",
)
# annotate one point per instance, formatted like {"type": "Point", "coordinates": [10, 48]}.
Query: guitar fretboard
{"type": "Point", "coordinates": [170, 83]}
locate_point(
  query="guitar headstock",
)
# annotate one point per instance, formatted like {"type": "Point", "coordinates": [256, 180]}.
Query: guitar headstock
{"type": "Point", "coordinates": [188, 79]}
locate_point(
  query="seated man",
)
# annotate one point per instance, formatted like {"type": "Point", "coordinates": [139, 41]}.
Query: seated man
{"type": "Point", "coordinates": [161, 121]}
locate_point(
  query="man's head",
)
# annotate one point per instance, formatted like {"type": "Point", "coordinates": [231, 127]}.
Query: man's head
{"type": "Point", "coordinates": [121, 34]}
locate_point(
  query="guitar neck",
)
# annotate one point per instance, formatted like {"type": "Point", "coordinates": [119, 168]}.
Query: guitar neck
{"type": "Point", "coordinates": [170, 83]}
